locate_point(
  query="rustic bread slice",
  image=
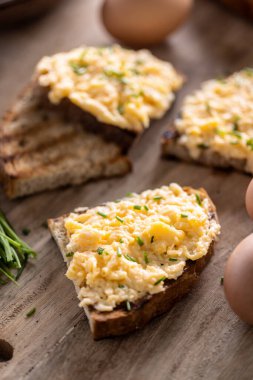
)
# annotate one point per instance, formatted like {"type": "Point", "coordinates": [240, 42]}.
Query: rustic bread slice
{"type": "Point", "coordinates": [171, 148]}
{"type": "Point", "coordinates": [120, 321]}
{"type": "Point", "coordinates": [41, 150]}
{"type": "Point", "coordinates": [214, 126]}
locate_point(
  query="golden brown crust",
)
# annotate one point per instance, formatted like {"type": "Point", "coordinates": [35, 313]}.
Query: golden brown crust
{"type": "Point", "coordinates": [120, 321]}
{"type": "Point", "coordinates": [171, 148]}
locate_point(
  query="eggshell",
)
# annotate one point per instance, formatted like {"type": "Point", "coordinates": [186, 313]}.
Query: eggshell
{"type": "Point", "coordinates": [249, 199]}
{"type": "Point", "coordinates": [238, 280]}
{"type": "Point", "coordinates": [143, 22]}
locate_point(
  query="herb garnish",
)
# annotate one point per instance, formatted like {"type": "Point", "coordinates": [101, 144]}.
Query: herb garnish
{"type": "Point", "coordinates": [172, 259]}
{"type": "Point", "coordinates": [31, 312]}
{"type": "Point", "coordinates": [248, 71]}
{"type": "Point", "coordinates": [236, 133]}
{"type": "Point", "coordinates": [119, 219]}
{"type": "Point", "coordinates": [152, 239]}
{"type": "Point", "coordinates": [130, 258]}
{"type": "Point", "coordinates": [146, 207]}
{"type": "Point", "coordinates": [70, 254]}
{"type": "Point", "coordinates": [160, 280]}
{"type": "Point", "coordinates": [140, 241]}
{"type": "Point", "coordinates": [14, 252]}
{"type": "Point", "coordinates": [128, 305]}
{"type": "Point", "coordinates": [129, 194]}
{"type": "Point", "coordinates": [137, 207]}
{"type": "Point", "coordinates": [120, 109]}
{"type": "Point", "coordinates": [78, 68]}
{"type": "Point", "coordinates": [121, 240]}
{"type": "Point", "coordinates": [222, 280]}
{"type": "Point", "coordinates": [146, 257]}
{"type": "Point", "coordinates": [102, 214]}
{"type": "Point", "coordinates": [198, 199]}
{"type": "Point", "coordinates": [116, 74]}
{"type": "Point", "coordinates": [184, 216]}
{"type": "Point", "coordinates": [157, 198]}
{"type": "Point", "coordinates": [250, 143]}
{"type": "Point", "coordinates": [121, 286]}
{"type": "Point", "coordinates": [236, 123]}
{"type": "Point", "coordinates": [100, 250]}
{"type": "Point", "coordinates": [119, 252]}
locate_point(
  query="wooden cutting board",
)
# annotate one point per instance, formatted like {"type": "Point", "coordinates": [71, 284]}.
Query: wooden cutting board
{"type": "Point", "coordinates": [200, 338]}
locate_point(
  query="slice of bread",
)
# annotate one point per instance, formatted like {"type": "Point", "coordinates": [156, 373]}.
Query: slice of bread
{"type": "Point", "coordinates": [171, 148]}
{"type": "Point", "coordinates": [121, 321]}
{"type": "Point", "coordinates": [40, 149]}
{"type": "Point", "coordinates": [214, 126]}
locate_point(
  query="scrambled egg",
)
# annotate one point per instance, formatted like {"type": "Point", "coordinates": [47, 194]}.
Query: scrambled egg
{"type": "Point", "coordinates": [120, 87]}
{"type": "Point", "coordinates": [124, 250]}
{"type": "Point", "coordinates": [219, 116]}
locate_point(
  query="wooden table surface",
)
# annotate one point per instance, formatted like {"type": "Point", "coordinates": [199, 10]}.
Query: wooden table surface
{"type": "Point", "coordinates": [200, 338]}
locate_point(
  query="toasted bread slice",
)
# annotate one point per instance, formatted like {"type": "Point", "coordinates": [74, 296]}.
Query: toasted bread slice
{"type": "Point", "coordinates": [121, 321]}
{"type": "Point", "coordinates": [213, 127]}
{"type": "Point", "coordinates": [41, 150]}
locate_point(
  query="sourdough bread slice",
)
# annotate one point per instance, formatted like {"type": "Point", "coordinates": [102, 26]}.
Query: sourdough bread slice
{"type": "Point", "coordinates": [121, 321]}
{"type": "Point", "coordinates": [214, 126]}
{"type": "Point", "coordinates": [41, 150]}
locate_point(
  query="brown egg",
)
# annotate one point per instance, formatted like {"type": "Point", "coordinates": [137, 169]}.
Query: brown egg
{"type": "Point", "coordinates": [143, 22]}
{"type": "Point", "coordinates": [249, 199]}
{"type": "Point", "coordinates": [238, 280]}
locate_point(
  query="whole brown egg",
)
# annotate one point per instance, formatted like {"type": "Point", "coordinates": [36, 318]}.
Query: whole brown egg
{"type": "Point", "coordinates": [238, 280]}
{"type": "Point", "coordinates": [141, 23]}
{"type": "Point", "coordinates": [249, 199]}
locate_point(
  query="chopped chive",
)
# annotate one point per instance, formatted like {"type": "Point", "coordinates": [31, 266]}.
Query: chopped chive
{"type": "Point", "coordinates": [119, 219]}
{"type": "Point", "coordinates": [70, 254]}
{"type": "Point", "coordinates": [119, 252]}
{"type": "Point", "coordinates": [248, 71]}
{"type": "Point", "coordinates": [130, 258]}
{"type": "Point", "coordinates": [79, 69]}
{"type": "Point", "coordinates": [198, 199]}
{"type": "Point", "coordinates": [157, 198]}
{"type": "Point", "coordinates": [184, 216]}
{"type": "Point", "coordinates": [120, 109]}
{"type": "Point", "coordinates": [146, 257]}
{"type": "Point", "coordinates": [26, 231]}
{"type": "Point", "coordinates": [172, 259]}
{"type": "Point", "coordinates": [31, 312]}
{"type": "Point", "coordinates": [236, 134]}
{"type": "Point", "coordinates": [249, 143]}
{"type": "Point", "coordinates": [236, 123]}
{"type": "Point", "coordinates": [137, 207]}
{"type": "Point", "coordinates": [140, 241]}
{"type": "Point", "coordinates": [121, 286]}
{"type": "Point", "coordinates": [121, 241]}
{"type": "Point", "coordinates": [160, 280]}
{"type": "Point", "coordinates": [222, 280]}
{"type": "Point", "coordinates": [152, 239]}
{"type": "Point", "coordinates": [208, 107]}
{"type": "Point", "coordinates": [146, 207]}
{"type": "Point", "coordinates": [129, 194]}
{"type": "Point", "coordinates": [100, 250]}
{"type": "Point", "coordinates": [128, 306]}
{"type": "Point", "coordinates": [102, 214]}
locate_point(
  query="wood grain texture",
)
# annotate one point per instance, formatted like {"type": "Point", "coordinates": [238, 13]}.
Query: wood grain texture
{"type": "Point", "coordinates": [200, 338]}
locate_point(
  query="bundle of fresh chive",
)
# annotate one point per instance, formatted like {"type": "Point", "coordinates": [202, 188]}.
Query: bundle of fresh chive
{"type": "Point", "coordinates": [14, 253]}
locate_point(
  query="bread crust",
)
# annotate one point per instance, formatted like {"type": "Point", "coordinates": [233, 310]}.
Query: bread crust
{"type": "Point", "coordinates": [40, 150]}
{"type": "Point", "coordinates": [120, 321]}
{"type": "Point", "coordinates": [171, 148]}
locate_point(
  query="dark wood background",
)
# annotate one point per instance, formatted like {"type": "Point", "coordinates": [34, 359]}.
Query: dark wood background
{"type": "Point", "coordinates": [200, 338]}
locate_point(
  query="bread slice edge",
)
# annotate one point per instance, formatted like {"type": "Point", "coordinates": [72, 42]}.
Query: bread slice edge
{"type": "Point", "coordinates": [120, 321]}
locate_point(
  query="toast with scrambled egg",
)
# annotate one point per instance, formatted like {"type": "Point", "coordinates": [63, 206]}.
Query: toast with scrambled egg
{"type": "Point", "coordinates": [215, 125]}
{"type": "Point", "coordinates": [132, 259]}
{"type": "Point", "coordinates": [41, 150]}
{"type": "Point", "coordinates": [112, 91]}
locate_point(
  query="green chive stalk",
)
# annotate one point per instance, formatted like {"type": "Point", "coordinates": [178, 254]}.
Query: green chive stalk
{"type": "Point", "coordinates": [14, 253]}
